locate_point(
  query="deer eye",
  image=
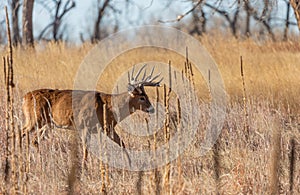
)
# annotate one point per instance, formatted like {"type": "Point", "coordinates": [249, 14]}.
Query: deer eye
{"type": "Point", "coordinates": [142, 98]}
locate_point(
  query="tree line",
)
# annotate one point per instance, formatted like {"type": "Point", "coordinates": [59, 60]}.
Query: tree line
{"type": "Point", "coordinates": [237, 16]}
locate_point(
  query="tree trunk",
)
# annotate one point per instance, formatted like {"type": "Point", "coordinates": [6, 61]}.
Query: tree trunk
{"type": "Point", "coordinates": [27, 23]}
{"type": "Point", "coordinates": [101, 12]}
{"type": "Point", "coordinates": [287, 22]}
{"type": "Point", "coordinates": [296, 6]}
{"type": "Point", "coordinates": [248, 15]}
{"type": "Point", "coordinates": [15, 6]}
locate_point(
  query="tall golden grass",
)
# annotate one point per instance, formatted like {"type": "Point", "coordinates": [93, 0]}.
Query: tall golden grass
{"type": "Point", "coordinates": [271, 68]}
{"type": "Point", "coordinates": [271, 73]}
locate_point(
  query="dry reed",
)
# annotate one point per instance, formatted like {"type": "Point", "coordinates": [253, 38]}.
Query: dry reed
{"type": "Point", "coordinates": [104, 173]}
{"type": "Point", "coordinates": [292, 164]}
{"type": "Point", "coordinates": [246, 124]}
{"type": "Point", "coordinates": [275, 157]}
{"type": "Point", "coordinates": [272, 75]}
{"type": "Point", "coordinates": [10, 167]}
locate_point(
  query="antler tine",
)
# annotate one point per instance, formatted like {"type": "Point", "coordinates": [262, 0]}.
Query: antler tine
{"type": "Point", "coordinates": [152, 79]}
{"type": "Point", "coordinates": [144, 74]}
{"type": "Point", "coordinates": [146, 80]}
{"type": "Point", "coordinates": [160, 81]}
{"type": "Point", "coordinates": [150, 75]}
{"type": "Point", "coordinates": [153, 83]}
{"type": "Point", "coordinates": [139, 72]}
{"type": "Point", "coordinates": [131, 79]}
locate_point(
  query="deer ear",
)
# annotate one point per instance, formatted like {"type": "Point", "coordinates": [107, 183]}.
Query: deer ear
{"type": "Point", "coordinates": [131, 90]}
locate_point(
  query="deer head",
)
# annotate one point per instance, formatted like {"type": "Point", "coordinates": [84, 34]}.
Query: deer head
{"type": "Point", "coordinates": [138, 97]}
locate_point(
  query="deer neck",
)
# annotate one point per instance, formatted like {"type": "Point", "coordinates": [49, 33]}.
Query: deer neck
{"type": "Point", "coordinates": [117, 106]}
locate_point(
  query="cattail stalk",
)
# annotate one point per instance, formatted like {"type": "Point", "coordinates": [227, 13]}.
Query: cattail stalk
{"type": "Point", "coordinates": [179, 168]}
{"type": "Point", "coordinates": [10, 169]}
{"type": "Point", "coordinates": [102, 166]}
{"type": "Point", "coordinates": [275, 158]}
{"type": "Point", "coordinates": [156, 176]}
{"type": "Point", "coordinates": [7, 163]}
{"type": "Point", "coordinates": [246, 125]}
{"type": "Point", "coordinates": [72, 177]}
{"type": "Point", "coordinates": [292, 168]}
{"type": "Point", "coordinates": [84, 148]}
{"type": "Point", "coordinates": [167, 94]}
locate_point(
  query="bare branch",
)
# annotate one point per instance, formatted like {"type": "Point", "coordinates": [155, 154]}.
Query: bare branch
{"type": "Point", "coordinates": [296, 6]}
{"type": "Point", "coordinates": [57, 18]}
{"type": "Point", "coordinates": [44, 30]}
{"type": "Point", "coordinates": [259, 19]}
{"type": "Point", "coordinates": [180, 17]}
{"type": "Point", "coordinates": [232, 22]}
{"type": "Point", "coordinates": [46, 6]}
{"type": "Point", "coordinates": [148, 6]}
{"type": "Point", "coordinates": [66, 8]}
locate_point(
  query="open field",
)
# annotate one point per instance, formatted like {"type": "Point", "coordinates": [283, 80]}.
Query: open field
{"type": "Point", "coordinates": [258, 163]}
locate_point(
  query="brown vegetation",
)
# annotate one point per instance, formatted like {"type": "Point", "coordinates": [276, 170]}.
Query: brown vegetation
{"type": "Point", "coordinates": [266, 162]}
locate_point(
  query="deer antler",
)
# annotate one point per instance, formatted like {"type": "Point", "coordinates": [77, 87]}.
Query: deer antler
{"type": "Point", "coordinates": [146, 81]}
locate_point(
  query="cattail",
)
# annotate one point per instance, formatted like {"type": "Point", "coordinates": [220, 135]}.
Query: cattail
{"type": "Point", "coordinates": [167, 131]}
{"type": "Point", "coordinates": [216, 160]}
{"type": "Point", "coordinates": [72, 177]}
{"type": "Point", "coordinates": [10, 169]}
{"type": "Point", "coordinates": [84, 149]}
{"type": "Point", "coordinates": [7, 166]}
{"type": "Point", "coordinates": [246, 125]}
{"type": "Point", "coordinates": [27, 161]}
{"type": "Point", "coordinates": [156, 119]}
{"type": "Point", "coordinates": [292, 163]}
{"type": "Point", "coordinates": [179, 168]}
{"type": "Point", "coordinates": [103, 167]}
{"type": "Point", "coordinates": [156, 177]}
{"type": "Point", "coordinates": [275, 158]}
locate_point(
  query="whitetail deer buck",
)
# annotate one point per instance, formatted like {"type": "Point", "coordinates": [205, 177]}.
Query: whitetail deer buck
{"type": "Point", "coordinates": [58, 107]}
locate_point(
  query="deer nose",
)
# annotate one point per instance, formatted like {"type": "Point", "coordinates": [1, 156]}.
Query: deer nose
{"type": "Point", "coordinates": [151, 109]}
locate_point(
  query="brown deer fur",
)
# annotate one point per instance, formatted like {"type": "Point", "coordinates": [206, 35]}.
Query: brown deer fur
{"type": "Point", "coordinates": [57, 107]}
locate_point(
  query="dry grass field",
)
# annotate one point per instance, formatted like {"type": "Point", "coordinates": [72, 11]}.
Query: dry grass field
{"type": "Point", "coordinates": [265, 161]}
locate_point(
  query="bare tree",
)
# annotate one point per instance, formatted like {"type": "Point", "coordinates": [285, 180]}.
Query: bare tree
{"type": "Point", "coordinates": [232, 21]}
{"type": "Point", "coordinates": [287, 23]}
{"type": "Point", "coordinates": [102, 8]}
{"type": "Point", "coordinates": [107, 13]}
{"type": "Point", "coordinates": [199, 22]}
{"type": "Point", "coordinates": [27, 39]}
{"type": "Point", "coordinates": [296, 6]}
{"type": "Point", "coordinates": [262, 12]}
{"type": "Point", "coordinates": [15, 7]}
{"type": "Point", "coordinates": [248, 17]}
{"type": "Point", "coordinates": [263, 19]}
{"type": "Point", "coordinates": [59, 12]}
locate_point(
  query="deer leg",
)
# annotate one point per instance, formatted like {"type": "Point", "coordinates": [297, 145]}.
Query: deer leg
{"type": "Point", "coordinates": [27, 128]}
{"type": "Point", "coordinates": [118, 140]}
{"type": "Point", "coordinates": [39, 135]}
